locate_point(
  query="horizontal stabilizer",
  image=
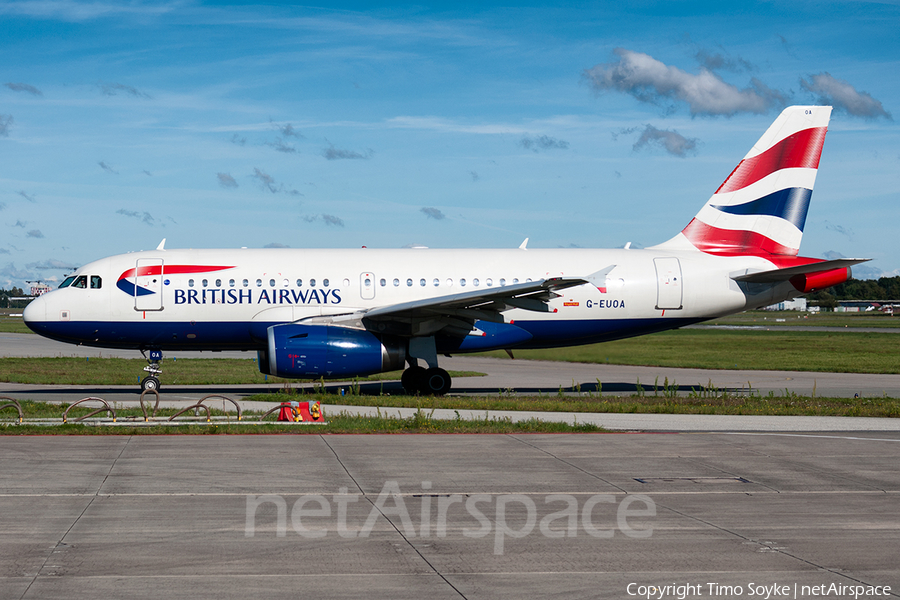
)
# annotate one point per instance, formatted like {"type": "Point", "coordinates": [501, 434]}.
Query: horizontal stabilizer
{"type": "Point", "coordinates": [777, 275]}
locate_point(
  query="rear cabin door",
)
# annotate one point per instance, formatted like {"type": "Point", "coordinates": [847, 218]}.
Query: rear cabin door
{"type": "Point", "coordinates": [367, 286]}
{"type": "Point", "coordinates": [148, 277]}
{"type": "Point", "coordinates": [668, 279]}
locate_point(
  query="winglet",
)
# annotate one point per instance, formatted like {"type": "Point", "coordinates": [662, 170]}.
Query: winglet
{"type": "Point", "coordinates": [523, 245]}
{"type": "Point", "coordinates": [162, 245]}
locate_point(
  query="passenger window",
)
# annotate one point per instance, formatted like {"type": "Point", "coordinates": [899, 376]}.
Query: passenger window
{"type": "Point", "coordinates": [96, 282]}
{"type": "Point", "coordinates": [312, 283]}
{"type": "Point", "coordinates": [299, 283]}
{"type": "Point", "coordinates": [437, 282]}
{"type": "Point", "coordinates": [449, 282]}
{"type": "Point", "coordinates": [259, 283]}
{"type": "Point", "coordinates": [231, 283]}
{"type": "Point", "coordinates": [515, 280]}
{"type": "Point", "coordinates": [489, 282]}
{"type": "Point", "coordinates": [475, 282]}
{"type": "Point", "coordinates": [271, 283]}
{"type": "Point", "coordinates": [409, 283]}
{"type": "Point", "coordinates": [81, 282]}
{"type": "Point", "coordinates": [422, 282]}
{"type": "Point", "coordinates": [190, 283]}
{"type": "Point", "coordinates": [325, 282]}
{"type": "Point", "coordinates": [462, 282]}
{"type": "Point", "coordinates": [218, 283]}
{"type": "Point", "coordinates": [383, 282]}
{"type": "Point", "coordinates": [396, 282]}
{"type": "Point", "coordinates": [205, 283]}
{"type": "Point", "coordinates": [286, 283]}
{"type": "Point", "coordinates": [502, 282]}
{"type": "Point", "coordinates": [245, 283]}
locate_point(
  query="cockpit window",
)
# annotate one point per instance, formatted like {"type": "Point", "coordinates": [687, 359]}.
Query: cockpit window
{"type": "Point", "coordinates": [67, 282]}
{"type": "Point", "coordinates": [80, 282]}
{"type": "Point", "coordinates": [96, 282]}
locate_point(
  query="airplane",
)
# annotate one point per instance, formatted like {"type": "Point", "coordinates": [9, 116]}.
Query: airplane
{"type": "Point", "coordinates": [339, 314]}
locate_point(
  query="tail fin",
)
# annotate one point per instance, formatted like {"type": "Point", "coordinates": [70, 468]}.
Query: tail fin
{"type": "Point", "coordinates": [761, 207]}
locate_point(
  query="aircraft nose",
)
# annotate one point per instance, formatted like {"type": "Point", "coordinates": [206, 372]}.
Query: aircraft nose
{"type": "Point", "coordinates": [35, 312]}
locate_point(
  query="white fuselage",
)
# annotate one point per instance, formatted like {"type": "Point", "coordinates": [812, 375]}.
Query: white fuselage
{"type": "Point", "coordinates": [226, 299]}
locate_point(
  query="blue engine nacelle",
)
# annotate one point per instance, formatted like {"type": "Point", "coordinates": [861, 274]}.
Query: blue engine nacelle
{"type": "Point", "coordinates": [313, 351]}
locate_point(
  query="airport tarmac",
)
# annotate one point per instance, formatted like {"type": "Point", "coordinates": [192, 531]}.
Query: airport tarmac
{"type": "Point", "coordinates": [449, 516]}
{"type": "Point", "coordinates": [730, 510]}
{"type": "Point", "coordinates": [534, 377]}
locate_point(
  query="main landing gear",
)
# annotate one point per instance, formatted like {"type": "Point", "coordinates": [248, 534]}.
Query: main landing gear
{"type": "Point", "coordinates": [151, 381]}
{"type": "Point", "coordinates": [432, 381]}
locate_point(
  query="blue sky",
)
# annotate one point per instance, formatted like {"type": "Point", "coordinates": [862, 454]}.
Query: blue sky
{"type": "Point", "coordinates": [228, 124]}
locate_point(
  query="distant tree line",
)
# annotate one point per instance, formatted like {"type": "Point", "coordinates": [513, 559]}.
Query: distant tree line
{"type": "Point", "coordinates": [15, 292]}
{"type": "Point", "coordinates": [883, 288]}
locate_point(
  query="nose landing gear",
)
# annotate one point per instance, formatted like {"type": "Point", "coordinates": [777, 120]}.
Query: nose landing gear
{"type": "Point", "coordinates": [151, 381]}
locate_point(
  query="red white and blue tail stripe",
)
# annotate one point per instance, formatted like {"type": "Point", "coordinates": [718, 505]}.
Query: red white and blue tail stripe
{"type": "Point", "coordinates": [761, 207]}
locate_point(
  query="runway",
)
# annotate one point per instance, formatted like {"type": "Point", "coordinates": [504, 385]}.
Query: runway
{"type": "Point", "coordinates": [446, 516]}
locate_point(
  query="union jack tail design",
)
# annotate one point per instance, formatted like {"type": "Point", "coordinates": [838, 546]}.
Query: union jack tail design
{"type": "Point", "coordinates": [761, 207]}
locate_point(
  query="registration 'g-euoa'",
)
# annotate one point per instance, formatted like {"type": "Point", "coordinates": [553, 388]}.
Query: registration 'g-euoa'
{"type": "Point", "coordinates": [347, 313]}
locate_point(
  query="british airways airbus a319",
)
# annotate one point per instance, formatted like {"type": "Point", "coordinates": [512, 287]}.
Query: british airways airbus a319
{"type": "Point", "coordinates": [347, 313]}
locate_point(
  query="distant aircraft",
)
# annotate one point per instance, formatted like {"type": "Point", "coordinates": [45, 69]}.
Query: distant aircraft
{"type": "Point", "coordinates": [346, 313]}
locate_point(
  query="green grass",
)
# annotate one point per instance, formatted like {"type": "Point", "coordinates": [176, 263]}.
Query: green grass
{"type": "Point", "coordinates": [10, 324]}
{"type": "Point", "coordinates": [129, 371]}
{"type": "Point", "coordinates": [421, 422]}
{"type": "Point", "coordinates": [841, 352]}
{"type": "Point", "coordinates": [701, 402]}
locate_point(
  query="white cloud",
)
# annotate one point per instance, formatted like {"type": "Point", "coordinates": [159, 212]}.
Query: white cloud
{"type": "Point", "coordinates": [649, 80]}
{"type": "Point", "coordinates": [671, 141]}
{"type": "Point", "coordinates": [843, 96]}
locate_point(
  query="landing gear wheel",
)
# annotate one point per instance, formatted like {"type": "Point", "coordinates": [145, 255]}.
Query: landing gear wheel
{"type": "Point", "coordinates": [411, 380]}
{"type": "Point", "coordinates": [435, 382]}
{"type": "Point", "coordinates": [150, 383]}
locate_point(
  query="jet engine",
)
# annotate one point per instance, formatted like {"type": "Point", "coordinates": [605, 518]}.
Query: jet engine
{"type": "Point", "coordinates": [313, 351]}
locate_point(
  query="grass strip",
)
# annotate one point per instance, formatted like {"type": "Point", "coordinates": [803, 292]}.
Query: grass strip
{"type": "Point", "coordinates": [700, 403]}
{"type": "Point", "coordinates": [420, 422]}
{"type": "Point", "coordinates": [838, 352]}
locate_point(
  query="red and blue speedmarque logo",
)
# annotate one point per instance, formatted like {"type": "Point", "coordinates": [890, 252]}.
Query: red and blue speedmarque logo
{"type": "Point", "coordinates": [130, 287]}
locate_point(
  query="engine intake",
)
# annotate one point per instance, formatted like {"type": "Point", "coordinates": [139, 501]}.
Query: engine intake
{"type": "Point", "coordinates": [300, 351]}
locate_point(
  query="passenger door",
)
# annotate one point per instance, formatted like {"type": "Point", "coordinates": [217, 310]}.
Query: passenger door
{"type": "Point", "coordinates": [668, 278]}
{"type": "Point", "coordinates": [148, 278]}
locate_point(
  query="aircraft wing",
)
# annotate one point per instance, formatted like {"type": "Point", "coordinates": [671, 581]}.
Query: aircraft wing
{"type": "Point", "coordinates": [455, 314]}
{"type": "Point", "coordinates": [776, 275]}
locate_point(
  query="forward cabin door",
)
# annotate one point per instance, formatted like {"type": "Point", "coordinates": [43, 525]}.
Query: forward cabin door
{"type": "Point", "coordinates": [148, 277]}
{"type": "Point", "coordinates": [668, 279]}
